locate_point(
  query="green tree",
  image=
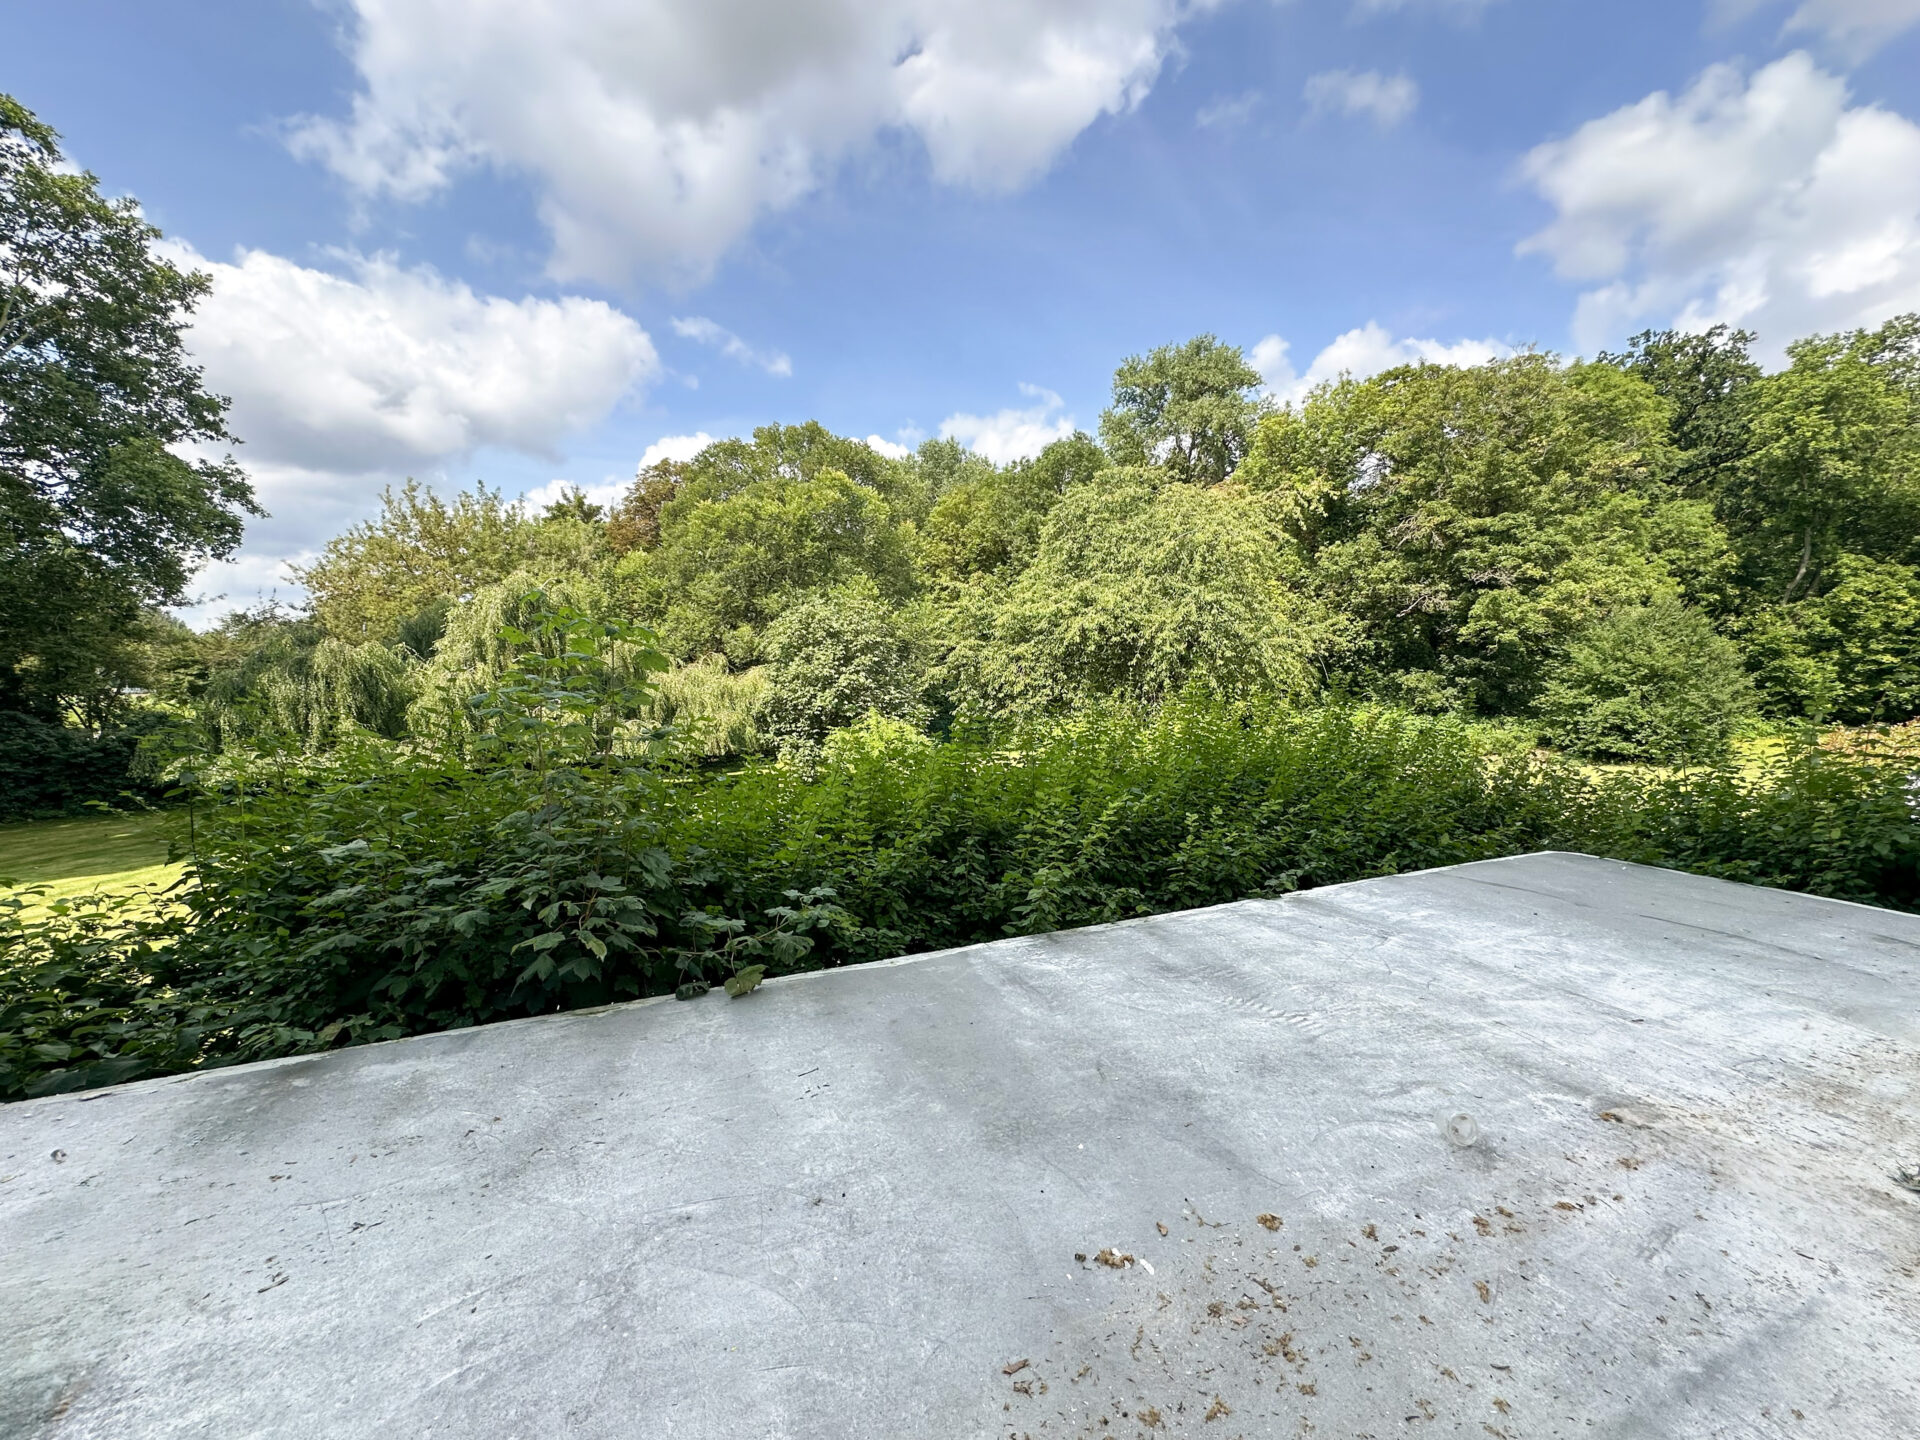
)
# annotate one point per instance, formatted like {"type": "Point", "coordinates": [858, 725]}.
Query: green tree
{"type": "Point", "coordinates": [1647, 682]}
{"type": "Point", "coordinates": [421, 552]}
{"type": "Point", "coordinates": [1138, 590]}
{"type": "Point", "coordinates": [835, 657]}
{"type": "Point", "coordinates": [989, 519]}
{"type": "Point", "coordinates": [1707, 379]}
{"type": "Point", "coordinates": [724, 568]}
{"type": "Point", "coordinates": [1833, 465]}
{"type": "Point", "coordinates": [1854, 650]}
{"type": "Point", "coordinates": [801, 452]}
{"type": "Point", "coordinates": [100, 518]}
{"type": "Point", "coordinates": [1189, 408]}
{"type": "Point", "coordinates": [635, 521]}
{"type": "Point", "coordinates": [1468, 521]}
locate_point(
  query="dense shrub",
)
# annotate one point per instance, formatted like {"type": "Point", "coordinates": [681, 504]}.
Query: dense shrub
{"type": "Point", "coordinates": [1647, 682]}
{"type": "Point", "coordinates": [381, 890]}
{"type": "Point", "coordinates": [48, 769]}
{"type": "Point", "coordinates": [837, 656]}
{"type": "Point", "coordinates": [100, 989]}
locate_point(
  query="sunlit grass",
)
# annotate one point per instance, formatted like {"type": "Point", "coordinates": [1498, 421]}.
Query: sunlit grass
{"type": "Point", "coordinates": [111, 854]}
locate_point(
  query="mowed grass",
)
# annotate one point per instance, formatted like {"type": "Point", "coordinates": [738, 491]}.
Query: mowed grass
{"type": "Point", "coordinates": [103, 852]}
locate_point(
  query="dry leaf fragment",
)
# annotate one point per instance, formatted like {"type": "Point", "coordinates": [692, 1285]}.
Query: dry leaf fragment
{"type": "Point", "coordinates": [1272, 1222]}
{"type": "Point", "coordinates": [1114, 1259]}
{"type": "Point", "coordinates": [1160, 1227]}
{"type": "Point", "coordinates": [1015, 1368]}
{"type": "Point", "coordinates": [1218, 1409]}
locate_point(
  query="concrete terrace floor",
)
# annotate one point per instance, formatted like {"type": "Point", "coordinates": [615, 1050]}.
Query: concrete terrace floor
{"type": "Point", "coordinates": [856, 1203]}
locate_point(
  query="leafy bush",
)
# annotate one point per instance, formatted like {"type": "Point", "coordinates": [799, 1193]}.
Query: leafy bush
{"type": "Point", "coordinates": [836, 656]}
{"type": "Point", "coordinates": [1647, 682]}
{"type": "Point", "coordinates": [383, 889]}
{"type": "Point", "coordinates": [48, 769]}
{"type": "Point", "coordinates": [1110, 815]}
{"type": "Point", "coordinates": [1823, 821]}
{"type": "Point", "coordinates": [93, 991]}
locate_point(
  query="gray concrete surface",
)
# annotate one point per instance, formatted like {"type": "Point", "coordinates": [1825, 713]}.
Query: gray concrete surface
{"type": "Point", "coordinates": [853, 1204]}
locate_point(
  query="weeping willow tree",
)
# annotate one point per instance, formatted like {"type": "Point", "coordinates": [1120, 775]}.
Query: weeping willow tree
{"type": "Point", "coordinates": [309, 692]}
{"type": "Point", "coordinates": [484, 638]}
{"type": "Point", "coordinates": [715, 710]}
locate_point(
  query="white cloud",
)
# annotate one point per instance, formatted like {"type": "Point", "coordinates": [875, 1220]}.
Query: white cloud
{"type": "Point", "coordinates": [1359, 353]}
{"type": "Point", "coordinates": [344, 382]}
{"type": "Point", "coordinates": [606, 495]}
{"type": "Point", "coordinates": [882, 446]}
{"type": "Point", "coordinates": [1014, 434]}
{"type": "Point", "coordinates": [1228, 111]}
{"type": "Point", "coordinates": [1768, 202]}
{"type": "Point", "coordinates": [1858, 27]}
{"type": "Point", "coordinates": [1855, 28]}
{"type": "Point", "coordinates": [675, 447]}
{"type": "Point", "coordinates": [703, 331]}
{"type": "Point", "coordinates": [384, 367]}
{"type": "Point", "coordinates": [1388, 99]}
{"type": "Point", "coordinates": [655, 132]}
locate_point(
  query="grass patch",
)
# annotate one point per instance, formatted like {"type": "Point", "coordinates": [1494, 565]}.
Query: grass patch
{"type": "Point", "coordinates": [110, 854]}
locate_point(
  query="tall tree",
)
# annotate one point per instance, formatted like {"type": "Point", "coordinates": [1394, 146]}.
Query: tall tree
{"type": "Point", "coordinates": [1190, 409]}
{"type": "Point", "coordinates": [1470, 520]}
{"type": "Point", "coordinates": [101, 515]}
{"type": "Point", "coordinates": [1706, 378]}
{"type": "Point", "coordinates": [1833, 463]}
{"type": "Point", "coordinates": [422, 553]}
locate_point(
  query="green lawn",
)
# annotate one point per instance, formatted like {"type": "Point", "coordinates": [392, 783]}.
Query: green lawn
{"type": "Point", "coordinates": [70, 857]}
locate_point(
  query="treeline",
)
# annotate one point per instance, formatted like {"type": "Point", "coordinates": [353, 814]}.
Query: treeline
{"type": "Point", "coordinates": [1630, 558]}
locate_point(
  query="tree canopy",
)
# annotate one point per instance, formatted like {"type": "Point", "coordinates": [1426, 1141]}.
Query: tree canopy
{"type": "Point", "coordinates": [108, 498]}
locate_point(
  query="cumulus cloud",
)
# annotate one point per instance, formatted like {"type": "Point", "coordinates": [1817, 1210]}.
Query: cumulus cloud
{"type": "Point", "coordinates": [344, 381]}
{"type": "Point", "coordinates": [1858, 27]}
{"type": "Point", "coordinates": [882, 446]}
{"type": "Point", "coordinates": [655, 132]}
{"type": "Point", "coordinates": [1769, 201]}
{"type": "Point", "coordinates": [675, 447]}
{"type": "Point", "coordinates": [1359, 353]}
{"type": "Point", "coordinates": [1013, 434]}
{"type": "Point", "coordinates": [714, 336]}
{"type": "Point", "coordinates": [383, 366]}
{"type": "Point", "coordinates": [1386, 99]}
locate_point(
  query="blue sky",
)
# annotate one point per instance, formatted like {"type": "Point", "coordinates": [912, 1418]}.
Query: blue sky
{"type": "Point", "coordinates": [527, 241]}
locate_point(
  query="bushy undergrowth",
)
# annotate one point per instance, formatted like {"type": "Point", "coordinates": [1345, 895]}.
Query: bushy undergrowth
{"type": "Point", "coordinates": [48, 769]}
{"type": "Point", "coordinates": [386, 890]}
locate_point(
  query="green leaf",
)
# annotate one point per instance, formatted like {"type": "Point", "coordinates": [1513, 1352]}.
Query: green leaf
{"type": "Point", "coordinates": [746, 981]}
{"type": "Point", "coordinates": [693, 990]}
